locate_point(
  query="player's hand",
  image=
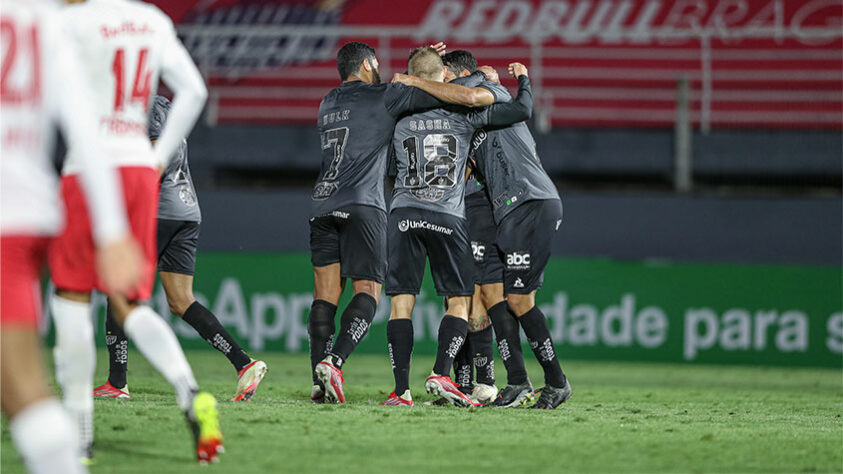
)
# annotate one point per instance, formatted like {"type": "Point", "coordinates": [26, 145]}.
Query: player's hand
{"type": "Point", "coordinates": [120, 265]}
{"type": "Point", "coordinates": [490, 73]}
{"type": "Point", "coordinates": [439, 47]}
{"type": "Point", "coordinates": [518, 69]}
{"type": "Point", "coordinates": [403, 79]}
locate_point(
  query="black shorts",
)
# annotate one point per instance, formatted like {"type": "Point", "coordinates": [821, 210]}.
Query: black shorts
{"type": "Point", "coordinates": [415, 234]}
{"type": "Point", "coordinates": [524, 240]}
{"type": "Point", "coordinates": [488, 267]}
{"type": "Point", "coordinates": [177, 243]}
{"type": "Point", "coordinates": [353, 236]}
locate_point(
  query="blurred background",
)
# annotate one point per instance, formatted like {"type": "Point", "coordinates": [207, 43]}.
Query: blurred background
{"type": "Point", "coordinates": [696, 145]}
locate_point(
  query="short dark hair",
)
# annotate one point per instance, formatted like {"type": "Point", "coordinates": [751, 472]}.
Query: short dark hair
{"type": "Point", "coordinates": [351, 55]}
{"type": "Point", "coordinates": [458, 60]}
{"type": "Point", "coordinates": [424, 62]}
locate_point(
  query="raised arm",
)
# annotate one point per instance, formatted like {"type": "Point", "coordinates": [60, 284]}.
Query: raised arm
{"type": "Point", "coordinates": [450, 93]}
{"type": "Point", "coordinates": [508, 113]}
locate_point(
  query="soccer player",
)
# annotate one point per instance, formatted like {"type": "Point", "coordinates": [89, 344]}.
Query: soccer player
{"type": "Point", "coordinates": [41, 82]}
{"type": "Point", "coordinates": [527, 212]}
{"type": "Point", "coordinates": [179, 218]}
{"type": "Point", "coordinates": [126, 47]}
{"type": "Point", "coordinates": [348, 212]}
{"type": "Point", "coordinates": [427, 221]}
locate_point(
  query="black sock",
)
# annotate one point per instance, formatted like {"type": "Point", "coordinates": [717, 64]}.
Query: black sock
{"type": "Point", "coordinates": [483, 355]}
{"type": "Point", "coordinates": [320, 328]}
{"type": "Point", "coordinates": [118, 351]}
{"type": "Point", "coordinates": [354, 324]}
{"type": "Point", "coordinates": [399, 336]}
{"type": "Point", "coordinates": [452, 332]}
{"type": "Point", "coordinates": [509, 343]}
{"type": "Point", "coordinates": [463, 366]}
{"type": "Point", "coordinates": [535, 327]}
{"type": "Point", "coordinates": [209, 327]}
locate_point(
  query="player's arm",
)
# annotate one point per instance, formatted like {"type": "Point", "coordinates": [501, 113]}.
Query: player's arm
{"type": "Point", "coordinates": [508, 113]}
{"type": "Point", "coordinates": [450, 93]}
{"type": "Point", "coordinates": [189, 95]}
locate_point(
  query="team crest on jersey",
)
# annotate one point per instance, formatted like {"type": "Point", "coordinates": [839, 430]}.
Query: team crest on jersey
{"type": "Point", "coordinates": [324, 190]}
{"type": "Point", "coordinates": [187, 196]}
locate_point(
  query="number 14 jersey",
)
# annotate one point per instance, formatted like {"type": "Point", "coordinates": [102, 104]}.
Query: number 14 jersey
{"type": "Point", "coordinates": [124, 48]}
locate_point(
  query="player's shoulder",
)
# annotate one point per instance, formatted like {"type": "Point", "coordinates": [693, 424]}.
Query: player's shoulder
{"type": "Point", "coordinates": [501, 92]}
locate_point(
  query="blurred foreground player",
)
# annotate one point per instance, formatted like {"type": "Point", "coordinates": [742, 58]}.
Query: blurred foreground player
{"type": "Point", "coordinates": [125, 48]}
{"type": "Point", "coordinates": [427, 222]}
{"type": "Point", "coordinates": [42, 82]}
{"type": "Point", "coordinates": [348, 210]}
{"type": "Point", "coordinates": [179, 218]}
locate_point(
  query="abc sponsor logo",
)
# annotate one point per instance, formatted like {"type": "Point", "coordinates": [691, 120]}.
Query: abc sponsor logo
{"type": "Point", "coordinates": [519, 260]}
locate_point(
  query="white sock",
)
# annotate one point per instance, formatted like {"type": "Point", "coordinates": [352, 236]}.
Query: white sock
{"type": "Point", "coordinates": [156, 341]}
{"type": "Point", "coordinates": [45, 439]}
{"type": "Point", "coordinates": [75, 357]}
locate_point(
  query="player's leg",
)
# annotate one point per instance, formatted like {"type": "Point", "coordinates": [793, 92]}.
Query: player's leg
{"type": "Point", "coordinates": [117, 343]}
{"type": "Point", "coordinates": [481, 341]}
{"type": "Point", "coordinates": [543, 219]}
{"type": "Point", "coordinates": [406, 257]}
{"type": "Point", "coordinates": [72, 268]}
{"type": "Point", "coordinates": [362, 250]}
{"type": "Point", "coordinates": [148, 331]}
{"type": "Point", "coordinates": [464, 361]}
{"type": "Point", "coordinates": [26, 399]}
{"type": "Point", "coordinates": [327, 288]}
{"type": "Point", "coordinates": [399, 337]}
{"type": "Point", "coordinates": [452, 268]}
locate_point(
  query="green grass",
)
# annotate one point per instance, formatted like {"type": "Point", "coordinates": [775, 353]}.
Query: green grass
{"type": "Point", "coordinates": [623, 417]}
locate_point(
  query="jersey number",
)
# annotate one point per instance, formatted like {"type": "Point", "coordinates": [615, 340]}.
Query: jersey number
{"type": "Point", "coordinates": [334, 140]}
{"type": "Point", "coordinates": [440, 154]}
{"type": "Point", "coordinates": [8, 93]}
{"type": "Point", "coordinates": [141, 85]}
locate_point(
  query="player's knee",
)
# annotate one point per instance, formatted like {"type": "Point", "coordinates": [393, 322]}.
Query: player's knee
{"type": "Point", "coordinates": [478, 321]}
{"type": "Point", "coordinates": [491, 295]}
{"type": "Point", "coordinates": [520, 304]}
{"type": "Point", "coordinates": [180, 302]}
{"type": "Point", "coordinates": [368, 287]}
{"type": "Point", "coordinates": [458, 306]}
{"type": "Point", "coordinates": [402, 306]}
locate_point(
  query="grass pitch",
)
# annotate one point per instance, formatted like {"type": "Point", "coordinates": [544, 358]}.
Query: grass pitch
{"type": "Point", "coordinates": [623, 417]}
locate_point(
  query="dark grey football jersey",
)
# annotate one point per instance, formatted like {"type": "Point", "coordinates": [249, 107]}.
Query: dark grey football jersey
{"type": "Point", "coordinates": [178, 199]}
{"type": "Point", "coordinates": [431, 150]}
{"type": "Point", "coordinates": [507, 163]}
{"type": "Point", "coordinates": [356, 121]}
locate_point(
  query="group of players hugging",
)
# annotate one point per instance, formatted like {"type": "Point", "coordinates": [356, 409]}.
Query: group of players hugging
{"type": "Point", "coordinates": [470, 196]}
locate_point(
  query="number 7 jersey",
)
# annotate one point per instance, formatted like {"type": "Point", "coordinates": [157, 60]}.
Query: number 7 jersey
{"type": "Point", "coordinates": [124, 48]}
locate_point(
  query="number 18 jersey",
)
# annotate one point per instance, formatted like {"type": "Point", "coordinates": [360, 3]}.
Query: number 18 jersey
{"type": "Point", "coordinates": [124, 48]}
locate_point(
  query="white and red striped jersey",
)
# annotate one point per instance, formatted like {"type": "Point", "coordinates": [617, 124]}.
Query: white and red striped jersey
{"type": "Point", "coordinates": [125, 48]}
{"type": "Point", "coordinates": [40, 83]}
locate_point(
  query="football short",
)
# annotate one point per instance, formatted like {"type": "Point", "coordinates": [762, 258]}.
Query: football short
{"type": "Point", "coordinates": [416, 235]}
{"type": "Point", "coordinates": [353, 236]}
{"type": "Point", "coordinates": [72, 254]}
{"type": "Point", "coordinates": [524, 241]}
{"type": "Point", "coordinates": [177, 243]}
{"type": "Point", "coordinates": [23, 257]}
{"type": "Point", "coordinates": [488, 267]}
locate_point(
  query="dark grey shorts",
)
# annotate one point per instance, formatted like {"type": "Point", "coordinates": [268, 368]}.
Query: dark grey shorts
{"type": "Point", "coordinates": [416, 235]}
{"type": "Point", "coordinates": [524, 240]}
{"type": "Point", "coordinates": [353, 236]}
{"type": "Point", "coordinates": [488, 267]}
{"type": "Point", "coordinates": [177, 243]}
